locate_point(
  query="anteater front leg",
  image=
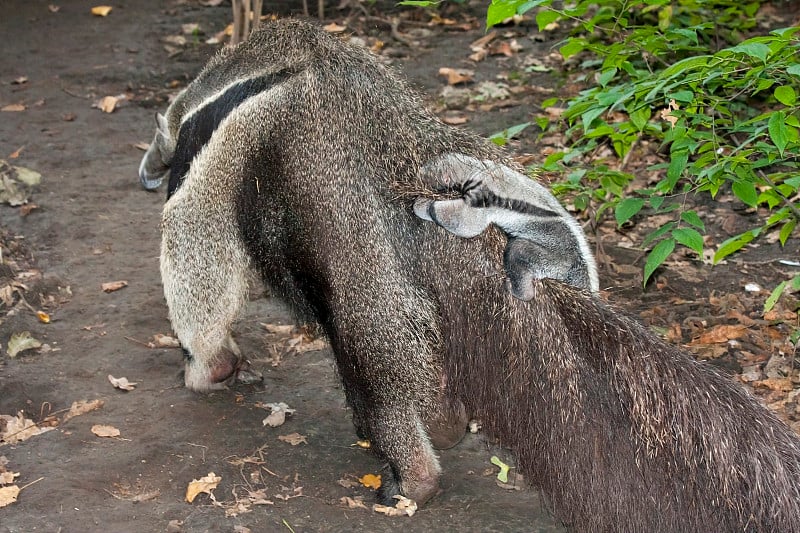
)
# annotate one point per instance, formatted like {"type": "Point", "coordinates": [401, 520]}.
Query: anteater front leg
{"type": "Point", "coordinates": [204, 271]}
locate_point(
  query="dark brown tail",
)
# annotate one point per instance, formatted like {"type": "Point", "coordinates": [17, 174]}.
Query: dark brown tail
{"type": "Point", "coordinates": [620, 430]}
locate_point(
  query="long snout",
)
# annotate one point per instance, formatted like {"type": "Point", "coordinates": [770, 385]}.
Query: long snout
{"type": "Point", "coordinates": [152, 169]}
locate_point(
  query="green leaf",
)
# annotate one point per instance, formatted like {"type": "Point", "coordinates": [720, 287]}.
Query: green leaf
{"type": "Point", "coordinates": [627, 208]}
{"type": "Point", "coordinates": [793, 182]}
{"type": "Point", "coordinates": [551, 162]}
{"type": "Point", "coordinates": [794, 69]}
{"type": "Point", "coordinates": [545, 17]}
{"type": "Point", "coordinates": [756, 50]}
{"type": "Point", "coordinates": [684, 65]}
{"type": "Point", "coordinates": [659, 232]}
{"type": "Point", "coordinates": [778, 131]}
{"type": "Point", "coordinates": [572, 47]}
{"type": "Point", "coordinates": [420, 3]}
{"type": "Point", "coordinates": [664, 18]}
{"type": "Point", "coordinates": [682, 96]}
{"type": "Point", "coordinates": [549, 102]}
{"type": "Point", "coordinates": [785, 94]}
{"type": "Point", "coordinates": [606, 76]}
{"type": "Point", "coordinates": [746, 192]}
{"type": "Point", "coordinates": [588, 117]}
{"type": "Point", "coordinates": [690, 238]}
{"type": "Point", "coordinates": [691, 217]}
{"type": "Point", "coordinates": [677, 164]}
{"type": "Point", "coordinates": [656, 201]}
{"type": "Point", "coordinates": [500, 10]}
{"type": "Point", "coordinates": [735, 243]}
{"type": "Point", "coordinates": [774, 296]}
{"type": "Point", "coordinates": [502, 476]}
{"type": "Point", "coordinates": [501, 138]}
{"type": "Point", "coordinates": [527, 6]}
{"type": "Point", "coordinates": [640, 116]}
{"type": "Point", "coordinates": [787, 230]}
{"type": "Point", "coordinates": [513, 131]}
{"type": "Point", "coordinates": [657, 256]}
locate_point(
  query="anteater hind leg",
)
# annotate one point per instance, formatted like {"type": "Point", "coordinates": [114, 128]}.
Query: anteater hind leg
{"type": "Point", "coordinates": [204, 271]}
{"type": "Point", "coordinates": [389, 371]}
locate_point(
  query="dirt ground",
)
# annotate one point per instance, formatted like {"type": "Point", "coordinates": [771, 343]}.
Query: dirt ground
{"type": "Point", "coordinates": [94, 224]}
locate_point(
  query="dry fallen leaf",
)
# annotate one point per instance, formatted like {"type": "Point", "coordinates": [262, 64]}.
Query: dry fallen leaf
{"type": "Point", "coordinates": [303, 345]}
{"type": "Point", "coordinates": [13, 108]}
{"type": "Point", "coordinates": [143, 146]}
{"type": "Point", "coordinates": [8, 495]}
{"type": "Point", "coordinates": [105, 431]}
{"type": "Point", "coordinates": [288, 494]}
{"type": "Point", "coordinates": [779, 314]}
{"type": "Point", "coordinates": [101, 11]}
{"type": "Point", "coordinates": [403, 507]}
{"type": "Point", "coordinates": [515, 482]}
{"type": "Point", "coordinates": [16, 183]}
{"type": "Point", "coordinates": [776, 384]}
{"type": "Point", "coordinates": [107, 104]}
{"type": "Point", "coordinates": [18, 428]}
{"type": "Point", "coordinates": [121, 383]}
{"type": "Point", "coordinates": [112, 286]}
{"type": "Point", "coordinates": [165, 341]}
{"type": "Point", "coordinates": [259, 497]}
{"type": "Point", "coordinates": [720, 334]}
{"type": "Point", "coordinates": [505, 48]}
{"type": "Point", "coordinates": [478, 55]}
{"type": "Point", "coordinates": [6, 478]}
{"type": "Point", "coordinates": [176, 40]}
{"type": "Point", "coordinates": [454, 120]}
{"type": "Point", "coordinates": [371, 481]}
{"type": "Point", "coordinates": [666, 114]}
{"type": "Point", "coordinates": [191, 28]}
{"type": "Point", "coordinates": [456, 75]}
{"type": "Point", "coordinates": [203, 485]}
{"type": "Point", "coordinates": [15, 153]}
{"type": "Point", "coordinates": [278, 415]}
{"type": "Point", "coordinates": [81, 408]}
{"type": "Point", "coordinates": [19, 342]}
{"type": "Point", "coordinates": [351, 503]}
{"type": "Point", "coordinates": [334, 28]}
{"type": "Point", "coordinates": [348, 484]}
{"type": "Point", "coordinates": [293, 438]}
{"type": "Point", "coordinates": [54, 8]}
{"type": "Point", "coordinates": [483, 41]}
{"type": "Point", "coordinates": [279, 329]}
{"type": "Point", "coordinates": [43, 317]}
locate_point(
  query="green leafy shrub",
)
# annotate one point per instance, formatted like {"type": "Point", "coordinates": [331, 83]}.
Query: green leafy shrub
{"type": "Point", "coordinates": [680, 73]}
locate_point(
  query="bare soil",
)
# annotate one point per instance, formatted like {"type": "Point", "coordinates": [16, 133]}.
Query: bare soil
{"type": "Point", "coordinates": [94, 224]}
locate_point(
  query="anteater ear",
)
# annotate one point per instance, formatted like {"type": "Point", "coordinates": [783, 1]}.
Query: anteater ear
{"type": "Point", "coordinates": [451, 171]}
{"type": "Point", "coordinates": [456, 216]}
{"type": "Point", "coordinates": [161, 124]}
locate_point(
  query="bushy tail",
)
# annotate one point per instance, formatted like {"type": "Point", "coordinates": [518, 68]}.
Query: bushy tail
{"type": "Point", "coordinates": [624, 432]}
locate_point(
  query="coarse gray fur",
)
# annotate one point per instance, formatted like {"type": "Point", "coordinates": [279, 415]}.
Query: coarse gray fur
{"type": "Point", "coordinates": [545, 241]}
{"type": "Point", "coordinates": [218, 75]}
{"type": "Point", "coordinates": [312, 183]}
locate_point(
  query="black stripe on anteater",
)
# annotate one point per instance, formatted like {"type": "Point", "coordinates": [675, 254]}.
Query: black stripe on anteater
{"type": "Point", "coordinates": [197, 130]}
{"type": "Point", "coordinates": [486, 198]}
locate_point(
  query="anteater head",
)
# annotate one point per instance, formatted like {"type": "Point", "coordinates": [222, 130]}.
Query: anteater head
{"type": "Point", "coordinates": [156, 161]}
